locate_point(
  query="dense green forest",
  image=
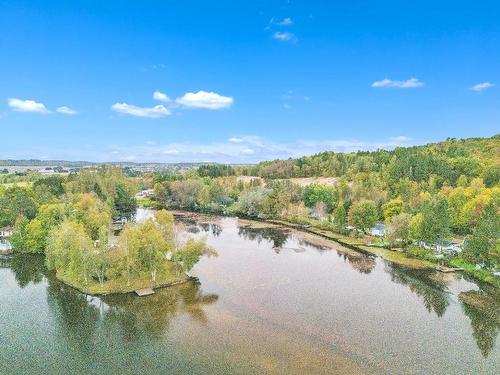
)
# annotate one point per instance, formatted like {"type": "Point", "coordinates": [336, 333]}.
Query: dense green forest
{"type": "Point", "coordinates": [445, 161]}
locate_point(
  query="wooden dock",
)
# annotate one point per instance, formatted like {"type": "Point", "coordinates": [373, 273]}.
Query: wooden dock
{"type": "Point", "coordinates": [448, 269]}
{"type": "Point", "coordinates": [144, 292]}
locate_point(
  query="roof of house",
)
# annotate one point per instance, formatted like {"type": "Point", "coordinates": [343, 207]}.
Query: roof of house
{"type": "Point", "coordinates": [6, 229]}
{"type": "Point", "coordinates": [379, 226]}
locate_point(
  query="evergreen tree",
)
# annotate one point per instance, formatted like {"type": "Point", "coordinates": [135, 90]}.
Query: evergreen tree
{"type": "Point", "coordinates": [124, 202]}
{"type": "Point", "coordinates": [483, 245]}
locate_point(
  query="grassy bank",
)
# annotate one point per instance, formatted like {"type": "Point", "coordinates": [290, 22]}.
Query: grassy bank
{"type": "Point", "coordinates": [165, 277]}
{"type": "Point", "coordinates": [413, 259]}
{"type": "Point", "coordinates": [481, 274]}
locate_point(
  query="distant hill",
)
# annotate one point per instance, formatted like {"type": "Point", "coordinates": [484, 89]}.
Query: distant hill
{"type": "Point", "coordinates": [448, 160]}
{"type": "Point", "coordinates": [158, 167]}
{"type": "Point", "coordinates": [42, 163]}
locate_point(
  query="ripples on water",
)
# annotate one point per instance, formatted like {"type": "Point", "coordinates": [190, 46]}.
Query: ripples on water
{"type": "Point", "coordinates": [274, 301]}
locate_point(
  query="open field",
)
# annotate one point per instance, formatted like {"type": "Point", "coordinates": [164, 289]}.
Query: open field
{"type": "Point", "coordinates": [20, 184]}
{"type": "Point", "coordinates": [302, 181]}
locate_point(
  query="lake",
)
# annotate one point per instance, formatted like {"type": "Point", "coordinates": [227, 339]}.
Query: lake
{"type": "Point", "coordinates": [275, 301]}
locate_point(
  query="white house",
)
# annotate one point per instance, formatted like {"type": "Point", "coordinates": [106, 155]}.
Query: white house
{"type": "Point", "coordinates": [5, 247]}
{"type": "Point", "coordinates": [145, 193]}
{"type": "Point", "coordinates": [448, 247]}
{"type": "Point", "coordinates": [6, 232]}
{"type": "Point", "coordinates": [378, 230]}
{"type": "Point", "coordinates": [443, 247]}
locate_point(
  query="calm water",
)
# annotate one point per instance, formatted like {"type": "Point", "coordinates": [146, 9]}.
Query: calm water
{"type": "Point", "coordinates": [274, 301]}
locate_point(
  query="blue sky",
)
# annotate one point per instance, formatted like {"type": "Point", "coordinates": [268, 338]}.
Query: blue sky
{"type": "Point", "coordinates": [242, 81]}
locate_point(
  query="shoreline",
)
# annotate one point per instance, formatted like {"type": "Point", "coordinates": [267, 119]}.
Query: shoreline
{"type": "Point", "coordinates": [88, 292]}
{"type": "Point", "coordinates": [389, 255]}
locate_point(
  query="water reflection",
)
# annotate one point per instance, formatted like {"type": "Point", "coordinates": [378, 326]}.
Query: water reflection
{"type": "Point", "coordinates": [190, 225]}
{"type": "Point", "coordinates": [315, 245]}
{"type": "Point", "coordinates": [431, 290]}
{"type": "Point", "coordinates": [193, 229]}
{"type": "Point", "coordinates": [213, 228]}
{"type": "Point", "coordinates": [484, 319]}
{"type": "Point", "coordinates": [76, 318]}
{"type": "Point", "coordinates": [361, 263]}
{"type": "Point", "coordinates": [27, 269]}
{"type": "Point", "coordinates": [277, 236]}
{"type": "Point", "coordinates": [151, 316]}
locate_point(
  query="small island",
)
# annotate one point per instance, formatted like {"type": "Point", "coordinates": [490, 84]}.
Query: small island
{"type": "Point", "coordinates": [91, 240]}
{"type": "Point", "coordinates": [143, 256]}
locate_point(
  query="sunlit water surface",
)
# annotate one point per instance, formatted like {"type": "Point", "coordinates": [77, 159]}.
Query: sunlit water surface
{"type": "Point", "coordinates": [274, 301]}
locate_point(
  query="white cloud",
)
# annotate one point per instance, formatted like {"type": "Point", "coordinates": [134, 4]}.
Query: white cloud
{"type": "Point", "coordinates": [248, 151]}
{"type": "Point", "coordinates": [482, 86]}
{"type": "Point", "coordinates": [284, 36]}
{"type": "Point", "coordinates": [235, 140]}
{"type": "Point", "coordinates": [132, 110]}
{"type": "Point", "coordinates": [20, 105]}
{"type": "Point", "coordinates": [158, 95]}
{"type": "Point", "coordinates": [286, 22]}
{"type": "Point", "coordinates": [203, 99]}
{"type": "Point", "coordinates": [66, 110]}
{"type": "Point", "coordinates": [389, 83]}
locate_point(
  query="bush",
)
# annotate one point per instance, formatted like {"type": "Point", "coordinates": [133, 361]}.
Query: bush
{"type": "Point", "coordinates": [420, 253]}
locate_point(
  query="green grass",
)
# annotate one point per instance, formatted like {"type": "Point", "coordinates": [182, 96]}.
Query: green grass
{"type": "Point", "coordinates": [470, 269]}
{"type": "Point", "coordinates": [121, 284]}
{"type": "Point", "coordinates": [398, 257]}
{"type": "Point", "coordinates": [146, 202]}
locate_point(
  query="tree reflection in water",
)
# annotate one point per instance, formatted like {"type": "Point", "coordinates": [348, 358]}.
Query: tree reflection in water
{"type": "Point", "coordinates": [316, 246]}
{"type": "Point", "coordinates": [28, 269]}
{"type": "Point", "coordinates": [190, 225]}
{"type": "Point", "coordinates": [76, 317]}
{"type": "Point", "coordinates": [484, 318]}
{"type": "Point", "coordinates": [432, 291]}
{"type": "Point", "coordinates": [361, 263]}
{"type": "Point", "coordinates": [81, 319]}
{"type": "Point", "coordinates": [277, 236]}
{"type": "Point", "coordinates": [148, 317]}
{"type": "Point", "coordinates": [151, 315]}
{"type": "Point", "coordinates": [213, 228]}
